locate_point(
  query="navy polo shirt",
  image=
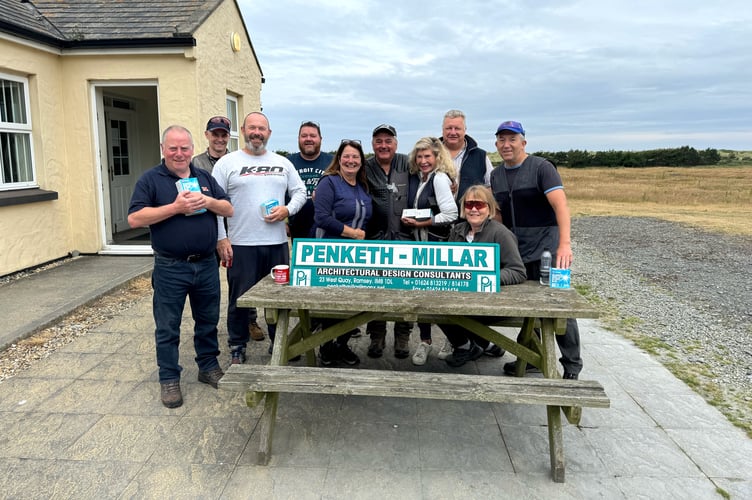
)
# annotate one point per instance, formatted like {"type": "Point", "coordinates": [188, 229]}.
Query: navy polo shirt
{"type": "Point", "coordinates": [180, 235]}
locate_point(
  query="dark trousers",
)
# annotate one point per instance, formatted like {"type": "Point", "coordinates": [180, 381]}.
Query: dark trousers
{"type": "Point", "coordinates": [425, 331]}
{"type": "Point", "coordinates": [250, 264]}
{"type": "Point", "coordinates": [569, 343]}
{"type": "Point", "coordinates": [458, 336]}
{"type": "Point", "coordinates": [173, 281]}
{"type": "Point", "coordinates": [401, 328]}
{"type": "Point", "coordinates": [327, 322]}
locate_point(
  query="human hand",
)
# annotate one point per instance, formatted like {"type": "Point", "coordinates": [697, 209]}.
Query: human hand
{"type": "Point", "coordinates": [277, 214]}
{"type": "Point", "coordinates": [188, 202]}
{"type": "Point", "coordinates": [564, 256]}
{"type": "Point", "coordinates": [224, 249]}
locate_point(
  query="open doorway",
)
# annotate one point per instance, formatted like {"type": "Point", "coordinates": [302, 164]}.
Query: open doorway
{"type": "Point", "coordinates": [128, 145]}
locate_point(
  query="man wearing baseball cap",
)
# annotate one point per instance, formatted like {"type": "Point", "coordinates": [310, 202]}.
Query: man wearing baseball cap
{"type": "Point", "coordinates": [534, 207]}
{"type": "Point", "coordinates": [388, 175]}
{"type": "Point", "coordinates": [218, 134]}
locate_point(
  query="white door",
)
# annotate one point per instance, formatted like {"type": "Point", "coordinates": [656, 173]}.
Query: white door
{"type": "Point", "coordinates": [121, 162]}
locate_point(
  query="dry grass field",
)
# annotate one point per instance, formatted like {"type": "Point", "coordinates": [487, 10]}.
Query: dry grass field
{"type": "Point", "coordinates": [713, 198]}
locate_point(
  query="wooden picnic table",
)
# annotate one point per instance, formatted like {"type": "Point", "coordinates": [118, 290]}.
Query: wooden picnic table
{"type": "Point", "coordinates": [527, 305]}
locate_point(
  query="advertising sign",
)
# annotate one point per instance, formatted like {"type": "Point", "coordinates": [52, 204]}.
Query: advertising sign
{"type": "Point", "coordinates": [462, 267]}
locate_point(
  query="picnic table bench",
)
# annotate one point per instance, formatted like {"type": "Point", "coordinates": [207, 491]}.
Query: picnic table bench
{"type": "Point", "coordinates": [528, 305]}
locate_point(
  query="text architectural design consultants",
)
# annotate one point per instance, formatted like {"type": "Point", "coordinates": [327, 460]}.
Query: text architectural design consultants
{"type": "Point", "coordinates": [462, 267]}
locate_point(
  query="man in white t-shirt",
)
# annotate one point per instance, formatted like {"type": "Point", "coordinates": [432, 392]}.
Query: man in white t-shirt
{"type": "Point", "coordinates": [254, 242]}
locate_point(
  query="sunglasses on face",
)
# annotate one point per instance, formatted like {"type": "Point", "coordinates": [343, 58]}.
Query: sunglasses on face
{"type": "Point", "coordinates": [476, 204]}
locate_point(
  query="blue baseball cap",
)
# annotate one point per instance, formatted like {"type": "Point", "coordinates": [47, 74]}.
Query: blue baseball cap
{"type": "Point", "coordinates": [515, 127]}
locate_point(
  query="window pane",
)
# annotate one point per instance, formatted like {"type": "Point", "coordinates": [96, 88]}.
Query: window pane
{"type": "Point", "coordinates": [12, 102]}
{"type": "Point", "coordinates": [232, 114]}
{"type": "Point", "coordinates": [15, 156]}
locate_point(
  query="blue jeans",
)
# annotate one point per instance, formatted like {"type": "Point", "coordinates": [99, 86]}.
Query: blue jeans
{"type": "Point", "coordinates": [173, 281]}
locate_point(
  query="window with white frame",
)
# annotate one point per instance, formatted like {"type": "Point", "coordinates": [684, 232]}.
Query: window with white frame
{"type": "Point", "coordinates": [16, 161]}
{"type": "Point", "coordinates": [232, 113]}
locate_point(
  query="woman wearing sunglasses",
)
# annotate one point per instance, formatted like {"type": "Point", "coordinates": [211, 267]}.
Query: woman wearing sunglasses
{"type": "Point", "coordinates": [342, 208]}
{"type": "Point", "coordinates": [478, 209]}
{"type": "Point", "coordinates": [431, 175]}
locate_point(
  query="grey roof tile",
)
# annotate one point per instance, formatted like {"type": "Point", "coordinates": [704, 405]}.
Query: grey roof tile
{"type": "Point", "coordinates": [73, 22]}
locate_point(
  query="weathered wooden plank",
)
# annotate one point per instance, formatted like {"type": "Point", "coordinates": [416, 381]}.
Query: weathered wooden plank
{"type": "Point", "coordinates": [525, 300]}
{"type": "Point", "coordinates": [449, 386]}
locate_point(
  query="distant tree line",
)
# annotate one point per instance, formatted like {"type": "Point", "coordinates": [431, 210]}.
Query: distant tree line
{"type": "Point", "coordinates": [684, 156]}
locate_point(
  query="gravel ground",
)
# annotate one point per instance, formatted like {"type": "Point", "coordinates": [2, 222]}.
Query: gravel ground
{"type": "Point", "coordinates": [682, 293]}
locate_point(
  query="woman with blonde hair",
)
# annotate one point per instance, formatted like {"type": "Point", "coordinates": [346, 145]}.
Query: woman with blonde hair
{"type": "Point", "coordinates": [432, 174]}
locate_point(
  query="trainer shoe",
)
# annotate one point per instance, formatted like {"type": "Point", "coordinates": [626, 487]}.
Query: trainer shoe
{"type": "Point", "coordinates": [511, 368]}
{"type": "Point", "coordinates": [446, 350]}
{"type": "Point", "coordinates": [494, 351]}
{"type": "Point", "coordinates": [461, 356]}
{"type": "Point", "coordinates": [329, 354]}
{"type": "Point", "coordinates": [211, 377]}
{"type": "Point", "coordinates": [421, 353]}
{"type": "Point", "coordinates": [256, 332]}
{"type": "Point", "coordinates": [238, 356]}
{"type": "Point", "coordinates": [346, 355]}
{"type": "Point", "coordinates": [171, 395]}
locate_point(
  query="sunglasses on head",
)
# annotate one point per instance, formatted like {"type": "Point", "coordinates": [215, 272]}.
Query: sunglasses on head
{"type": "Point", "coordinates": [220, 119]}
{"type": "Point", "coordinates": [350, 142]}
{"type": "Point", "coordinates": [476, 204]}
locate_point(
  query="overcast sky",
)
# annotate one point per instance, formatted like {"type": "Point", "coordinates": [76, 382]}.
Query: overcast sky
{"type": "Point", "coordinates": [589, 74]}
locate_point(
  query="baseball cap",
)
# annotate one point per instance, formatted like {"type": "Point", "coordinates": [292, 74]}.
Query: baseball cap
{"type": "Point", "coordinates": [385, 128]}
{"type": "Point", "coordinates": [515, 127]}
{"type": "Point", "coordinates": [218, 122]}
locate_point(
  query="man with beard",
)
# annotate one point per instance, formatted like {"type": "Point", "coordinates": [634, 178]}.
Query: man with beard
{"type": "Point", "coordinates": [310, 163]}
{"type": "Point", "coordinates": [256, 238]}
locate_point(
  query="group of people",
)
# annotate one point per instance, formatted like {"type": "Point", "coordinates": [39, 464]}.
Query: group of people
{"type": "Point", "coordinates": [520, 205]}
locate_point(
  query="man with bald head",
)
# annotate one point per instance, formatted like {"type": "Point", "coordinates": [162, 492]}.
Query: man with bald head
{"type": "Point", "coordinates": [255, 241]}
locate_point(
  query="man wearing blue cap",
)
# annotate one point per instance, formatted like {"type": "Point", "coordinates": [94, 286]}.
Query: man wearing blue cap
{"type": "Point", "coordinates": [533, 205]}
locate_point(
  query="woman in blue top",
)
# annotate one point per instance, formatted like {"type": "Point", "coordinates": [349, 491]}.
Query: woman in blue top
{"type": "Point", "coordinates": [342, 208]}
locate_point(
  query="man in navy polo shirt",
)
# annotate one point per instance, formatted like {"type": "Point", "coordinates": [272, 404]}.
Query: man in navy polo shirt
{"type": "Point", "coordinates": [183, 227]}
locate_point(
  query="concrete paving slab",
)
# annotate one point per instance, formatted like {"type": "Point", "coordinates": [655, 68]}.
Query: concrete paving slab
{"type": "Point", "coordinates": [35, 302]}
{"type": "Point", "coordinates": [86, 422]}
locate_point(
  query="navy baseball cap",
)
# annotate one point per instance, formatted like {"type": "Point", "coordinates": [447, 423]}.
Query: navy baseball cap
{"type": "Point", "coordinates": [515, 127]}
{"type": "Point", "coordinates": [218, 122]}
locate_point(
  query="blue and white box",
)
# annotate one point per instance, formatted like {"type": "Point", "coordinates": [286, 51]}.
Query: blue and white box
{"type": "Point", "coordinates": [267, 206]}
{"type": "Point", "coordinates": [190, 184]}
{"type": "Point", "coordinates": [561, 278]}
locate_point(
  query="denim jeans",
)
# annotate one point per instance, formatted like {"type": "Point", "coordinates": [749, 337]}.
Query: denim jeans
{"type": "Point", "coordinates": [173, 281]}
